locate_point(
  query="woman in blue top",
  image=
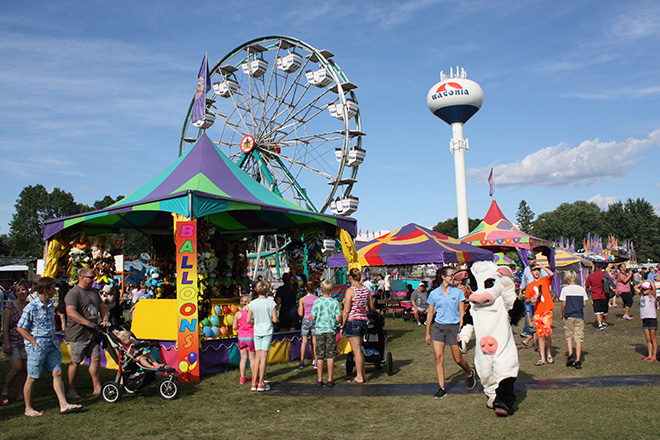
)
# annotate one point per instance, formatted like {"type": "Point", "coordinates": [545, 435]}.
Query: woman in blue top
{"type": "Point", "coordinates": [445, 315]}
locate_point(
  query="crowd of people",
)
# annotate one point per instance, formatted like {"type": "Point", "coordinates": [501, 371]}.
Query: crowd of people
{"type": "Point", "coordinates": [441, 305]}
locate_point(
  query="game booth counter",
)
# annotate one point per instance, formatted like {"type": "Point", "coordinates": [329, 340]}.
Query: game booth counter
{"type": "Point", "coordinates": [211, 208]}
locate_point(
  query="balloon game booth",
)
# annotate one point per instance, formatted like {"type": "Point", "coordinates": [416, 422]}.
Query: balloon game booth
{"type": "Point", "coordinates": [200, 212]}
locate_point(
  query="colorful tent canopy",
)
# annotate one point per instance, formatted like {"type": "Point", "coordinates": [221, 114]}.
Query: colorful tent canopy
{"type": "Point", "coordinates": [204, 182]}
{"type": "Point", "coordinates": [563, 258]}
{"type": "Point", "coordinates": [503, 259]}
{"type": "Point", "coordinates": [498, 234]}
{"type": "Point", "coordinates": [413, 244]}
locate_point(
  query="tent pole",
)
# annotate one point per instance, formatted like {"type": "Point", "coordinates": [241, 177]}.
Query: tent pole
{"type": "Point", "coordinates": [256, 260]}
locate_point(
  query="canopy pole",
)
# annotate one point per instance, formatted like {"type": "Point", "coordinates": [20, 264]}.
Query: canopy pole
{"type": "Point", "coordinates": [260, 245]}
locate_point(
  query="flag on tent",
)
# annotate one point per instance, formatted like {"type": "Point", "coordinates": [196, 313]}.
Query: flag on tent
{"type": "Point", "coordinates": [203, 86]}
{"type": "Point", "coordinates": [572, 248]}
{"type": "Point", "coordinates": [491, 183]}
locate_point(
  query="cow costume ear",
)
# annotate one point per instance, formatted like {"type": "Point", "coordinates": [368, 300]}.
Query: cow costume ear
{"type": "Point", "coordinates": [505, 271]}
{"type": "Point", "coordinates": [473, 282]}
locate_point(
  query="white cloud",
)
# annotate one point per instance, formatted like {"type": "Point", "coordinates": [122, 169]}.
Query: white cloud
{"type": "Point", "coordinates": [657, 208]}
{"type": "Point", "coordinates": [590, 162]}
{"type": "Point", "coordinates": [603, 202]}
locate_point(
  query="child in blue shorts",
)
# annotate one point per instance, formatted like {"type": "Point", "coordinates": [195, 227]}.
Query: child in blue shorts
{"type": "Point", "coordinates": [326, 315]}
{"type": "Point", "coordinates": [263, 313]}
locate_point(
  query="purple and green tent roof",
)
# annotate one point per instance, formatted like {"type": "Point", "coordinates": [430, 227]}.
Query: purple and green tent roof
{"type": "Point", "coordinates": [205, 181]}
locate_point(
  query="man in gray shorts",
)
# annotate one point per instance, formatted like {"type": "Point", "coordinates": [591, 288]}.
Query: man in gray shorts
{"type": "Point", "coordinates": [83, 308]}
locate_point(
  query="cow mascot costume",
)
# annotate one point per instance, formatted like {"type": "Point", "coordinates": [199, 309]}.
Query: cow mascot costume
{"type": "Point", "coordinates": [496, 355]}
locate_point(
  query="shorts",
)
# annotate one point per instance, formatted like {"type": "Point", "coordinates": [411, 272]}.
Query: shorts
{"type": "Point", "coordinates": [82, 349]}
{"type": "Point", "coordinates": [355, 329]}
{"type": "Point", "coordinates": [543, 323]}
{"type": "Point", "coordinates": [650, 323]}
{"type": "Point", "coordinates": [246, 343]}
{"type": "Point", "coordinates": [574, 328]}
{"type": "Point", "coordinates": [601, 306]}
{"type": "Point", "coordinates": [627, 299]}
{"type": "Point", "coordinates": [447, 333]}
{"type": "Point", "coordinates": [17, 352]}
{"type": "Point", "coordinates": [44, 356]}
{"type": "Point", "coordinates": [288, 318]}
{"type": "Point", "coordinates": [308, 328]}
{"type": "Point", "coordinates": [262, 342]}
{"type": "Point", "coordinates": [326, 346]}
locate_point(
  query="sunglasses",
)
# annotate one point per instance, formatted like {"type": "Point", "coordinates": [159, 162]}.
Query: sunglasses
{"type": "Point", "coordinates": [87, 276]}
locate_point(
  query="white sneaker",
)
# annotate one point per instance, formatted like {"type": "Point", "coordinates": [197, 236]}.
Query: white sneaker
{"type": "Point", "coordinates": [419, 324]}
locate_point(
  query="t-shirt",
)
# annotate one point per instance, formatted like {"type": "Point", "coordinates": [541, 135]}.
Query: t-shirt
{"type": "Point", "coordinates": [308, 302]}
{"type": "Point", "coordinates": [574, 296]}
{"type": "Point", "coordinates": [595, 283]}
{"type": "Point", "coordinates": [446, 306]}
{"type": "Point", "coordinates": [326, 311]}
{"type": "Point", "coordinates": [647, 307]}
{"type": "Point", "coordinates": [287, 297]}
{"type": "Point", "coordinates": [540, 288]}
{"type": "Point", "coordinates": [420, 299]}
{"type": "Point", "coordinates": [262, 309]}
{"type": "Point", "coordinates": [87, 303]}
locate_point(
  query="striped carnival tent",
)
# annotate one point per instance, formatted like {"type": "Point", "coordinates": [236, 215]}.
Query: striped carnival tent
{"type": "Point", "coordinates": [497, 233]}
{"type": "Point", "coordinates": [202, 183]}
{"type": "Point", "coordinates": [414, 244]}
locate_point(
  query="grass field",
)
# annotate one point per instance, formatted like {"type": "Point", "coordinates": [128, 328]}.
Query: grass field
{"type": "Point", "coordinates": [219, 408]}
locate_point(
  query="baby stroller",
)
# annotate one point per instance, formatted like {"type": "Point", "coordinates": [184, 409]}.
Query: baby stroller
{"type": "Point", "coordinates": [374, 346]}
{"type": "Point", "coordinates": [132, 376]}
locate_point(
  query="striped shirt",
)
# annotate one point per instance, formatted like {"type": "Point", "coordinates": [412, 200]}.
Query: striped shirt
{"type": "Point", "coordinates": [359, 304]}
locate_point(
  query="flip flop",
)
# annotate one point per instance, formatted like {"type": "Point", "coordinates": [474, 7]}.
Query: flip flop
{"type": "Point", "coordinates": [4, 400]}
{"type": "Point", "coordinates": [524, 344]}
{"type": "Point", "coordinates": [355, 381]}
{"type": "Point", "coordinates": [551, 360]}
{"type": "Point", "coordinates": [34, 413]}
{"type": "Point", "coordinates": [539, 363]}
{"type": "Point", "coordinates": [72, 409]}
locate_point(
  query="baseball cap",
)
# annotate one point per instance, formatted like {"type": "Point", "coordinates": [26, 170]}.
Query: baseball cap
{"type": "Point", "coordinates": [646, 285]}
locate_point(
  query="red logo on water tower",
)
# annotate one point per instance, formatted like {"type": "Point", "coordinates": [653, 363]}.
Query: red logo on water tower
{"type": "Point", "coordinates": [453, 85]}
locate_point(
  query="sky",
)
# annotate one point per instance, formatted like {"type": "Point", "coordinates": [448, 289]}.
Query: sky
{"type": "Point", "coordinates": [93, 96]}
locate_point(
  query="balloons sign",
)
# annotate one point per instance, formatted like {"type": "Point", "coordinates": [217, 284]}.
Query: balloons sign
{"type": "Point", "coordinates": [192, 357]}
{"type": "Point", "coordinates": [183, 366]}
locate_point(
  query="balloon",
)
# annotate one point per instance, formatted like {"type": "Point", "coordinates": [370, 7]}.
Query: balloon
{"type": "Point", "coordinates": [215, 320]}
{"type": "Point", "coordinates": [218, 310]}
{"type": "Point", "coordinates": [216, 331]}
{"type": "Point", "coordinates": [223, 331]}
{"type": "Point", "coordinates": [206, 322]}
{"type": "Point", "coordinates": [207, 332]}
{"type": "Point", "coordinates": [183, 366]}
{"type": "Point", "coordinates": [233, 308]}
{"type": "Point", "coordinates": [229, 320]}
{"type": "Point", "coordinates": [192, 357]}
{"type": "Point", "coordinates": [226, 310]}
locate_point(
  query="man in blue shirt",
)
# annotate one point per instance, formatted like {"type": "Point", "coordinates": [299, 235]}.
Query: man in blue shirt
{"type": "Point", "coordinates": [37, 326]}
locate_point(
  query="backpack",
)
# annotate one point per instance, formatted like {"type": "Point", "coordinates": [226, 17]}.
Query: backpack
{"type": "Point", "coordinates": [609, 288]}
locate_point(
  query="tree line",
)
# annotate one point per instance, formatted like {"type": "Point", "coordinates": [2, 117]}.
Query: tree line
{"type": "Point", "coordinates": [632, 220]}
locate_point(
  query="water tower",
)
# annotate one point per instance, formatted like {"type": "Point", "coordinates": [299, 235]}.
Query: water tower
{"type": "Point", "coordinates": [454, 100]}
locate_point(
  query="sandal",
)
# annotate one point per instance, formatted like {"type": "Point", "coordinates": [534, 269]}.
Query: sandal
{"type": "Point", "coordinates": [524, 344]}
{"type": "Point", "coordinates": [34, 413]}
{"type": "Point", "coordinates": [550, 359]}
{"type": "Point", "coordinates": [4, 400]}
{"type": "Point", "coordinates": [539, 363]}
{"type": "Point", "coordinates": [319, 383]}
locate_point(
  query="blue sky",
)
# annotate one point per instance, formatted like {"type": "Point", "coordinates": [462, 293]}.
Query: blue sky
{"type": "Point", "coordinates": [93, 95]}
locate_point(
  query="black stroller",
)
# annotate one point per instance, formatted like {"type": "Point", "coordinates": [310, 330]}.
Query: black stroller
{"type": "Point", "coordinates": [132, 376]}
{"type": "Point", "coordinates": [374, 346]}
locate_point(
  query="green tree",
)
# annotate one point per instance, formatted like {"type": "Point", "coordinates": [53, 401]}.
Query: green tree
{"type": "Point", "coordinates": [524, 217]}
{"type": "Point", "coordinates": [33, 206]}
{"type": "Point", "coordinates": [570, 220]}
{"type": "Point", "coordinates": [4, 245]}
{"type": "Point", "coordinates": [643, 227]}
{"type": "Point", "coordinates": [105, 202]}
{"type": "Point", "coordinates": [450, 226]}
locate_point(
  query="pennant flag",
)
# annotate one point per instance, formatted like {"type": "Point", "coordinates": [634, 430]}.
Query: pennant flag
{"type": "Point", "coordinates": [572, 248]}
{"type": "Point", "coordinates": [203, 86]}
{"type": "Point", "coordinates": [491, 183]}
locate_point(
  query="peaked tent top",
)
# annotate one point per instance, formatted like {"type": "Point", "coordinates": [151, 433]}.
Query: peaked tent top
{"type": "Point", "coordinates": [414, 244]}
{"type": "Point", "coordinates": [205, 181]}
{"type": "Point", "coordinates": [498, 234]}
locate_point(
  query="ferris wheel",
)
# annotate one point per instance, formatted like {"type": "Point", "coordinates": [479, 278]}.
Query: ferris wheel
{"type": "Point", "coordinates": [286, 114]}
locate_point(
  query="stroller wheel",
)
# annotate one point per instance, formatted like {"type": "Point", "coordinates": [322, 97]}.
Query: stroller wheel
{"type": "Point", "coordinates": [168, 388]}
{"type": "Point", "coordinates": [350, 363]}
{"type": "Point", "coordinates": [389, 364]}
{"type": "Point", "coordinates": [111, 392]}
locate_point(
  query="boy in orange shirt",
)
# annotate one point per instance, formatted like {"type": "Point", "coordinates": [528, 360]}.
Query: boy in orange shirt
{"type": "Point", "coordinates": [537, 293]}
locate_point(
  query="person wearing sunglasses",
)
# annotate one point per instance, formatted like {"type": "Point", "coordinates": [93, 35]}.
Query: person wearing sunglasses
{"type": "Point", "coordinates": [83, 308]}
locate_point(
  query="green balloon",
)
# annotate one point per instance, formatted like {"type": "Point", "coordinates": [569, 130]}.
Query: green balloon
{"type": "Point", "coordinates": [206, 322]}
